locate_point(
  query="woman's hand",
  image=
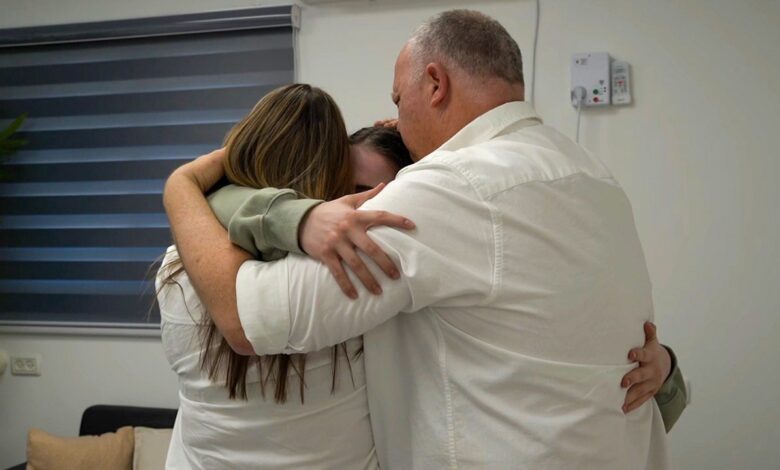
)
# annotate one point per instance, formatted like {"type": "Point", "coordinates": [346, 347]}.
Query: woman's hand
{"type": "Point", "coordinates": [204, 171]}
{"type": "Point", "coordinates": [334, 231]}
{"type": "Point", "coordinates": [655, 365]}
{"type": "Point", "coordinates": [391, 123]}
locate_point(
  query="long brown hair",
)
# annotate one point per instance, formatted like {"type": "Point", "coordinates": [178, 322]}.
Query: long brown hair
{"type": "Point", "coordinates": [294, 138]}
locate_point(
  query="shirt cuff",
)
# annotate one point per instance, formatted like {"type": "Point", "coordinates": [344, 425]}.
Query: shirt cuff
{"type": "Point", "coordinates": [263, 306]}
{"type": "Point", "coordinates": [284, 220]}
{"type": "Point", "coordinates": [673, 397]}
{"type": "Point", "coordinates": [669, 387]}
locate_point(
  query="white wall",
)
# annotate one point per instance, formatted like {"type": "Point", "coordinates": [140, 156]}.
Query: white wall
{"type": "Point", "coordinates": [694, 154]}
{"type": "Point", "coordinates": [78, 372]}
{"type": "Point", "coordinates": [698, 157]}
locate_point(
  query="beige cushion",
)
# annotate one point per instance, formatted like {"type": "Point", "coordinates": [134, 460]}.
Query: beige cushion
{"type": "Point", "coordinates": [110, 451]}
{"type": "Point", "coordinates": [151, 448]}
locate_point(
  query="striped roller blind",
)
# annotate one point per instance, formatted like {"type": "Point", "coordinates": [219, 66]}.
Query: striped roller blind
{"type": "Point", "coordinates": [113, 108]}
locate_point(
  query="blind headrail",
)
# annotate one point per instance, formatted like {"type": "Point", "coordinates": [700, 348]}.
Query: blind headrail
{"type": "Point", "coordinates": [191, 23]}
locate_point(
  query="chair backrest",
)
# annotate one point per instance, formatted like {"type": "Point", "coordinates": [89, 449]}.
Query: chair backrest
{"type": "Point", "coordinates": [100, 419]}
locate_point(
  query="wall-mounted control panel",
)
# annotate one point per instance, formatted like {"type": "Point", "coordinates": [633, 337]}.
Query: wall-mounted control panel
{"type": "Point", "coordinates": [606, 81]}
{"type": "Point", "coordinates": [621, 92]}
{"type": "Point", "coordinates": [590, 70]}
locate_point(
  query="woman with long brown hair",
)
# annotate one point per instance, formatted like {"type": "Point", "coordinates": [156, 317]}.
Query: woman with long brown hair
{"type": "Point", "coordinates": [298, 411]}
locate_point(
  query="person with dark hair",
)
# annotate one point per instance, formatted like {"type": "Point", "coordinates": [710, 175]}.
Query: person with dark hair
{"type": "Point", "coordinates": [509, 337]}
{"type": "Point", "coordinates": [377, 152]}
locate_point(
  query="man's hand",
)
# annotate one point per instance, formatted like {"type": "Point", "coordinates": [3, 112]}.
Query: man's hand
{"type": "Point", "coordinates": [655, 365]}
{"type": "Point", "coordinates": [332, 231]}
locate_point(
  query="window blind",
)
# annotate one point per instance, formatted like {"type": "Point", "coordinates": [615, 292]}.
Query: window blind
{"type": "Point", "coordinates": [113, 108]}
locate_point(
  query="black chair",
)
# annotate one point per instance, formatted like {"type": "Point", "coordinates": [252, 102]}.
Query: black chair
{"type": "Point", "coordinates": [100, 419]}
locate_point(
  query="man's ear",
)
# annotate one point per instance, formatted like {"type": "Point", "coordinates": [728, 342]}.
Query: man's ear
{"type": "Point", "coordinates": [437, 83]}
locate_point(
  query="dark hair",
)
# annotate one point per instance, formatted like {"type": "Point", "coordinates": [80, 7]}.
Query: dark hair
{"type": "Point", "coordinates": [385, 140]}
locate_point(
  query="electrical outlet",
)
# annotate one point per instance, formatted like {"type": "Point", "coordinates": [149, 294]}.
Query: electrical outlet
{"type": "Point", "coordinates": [29, 364]}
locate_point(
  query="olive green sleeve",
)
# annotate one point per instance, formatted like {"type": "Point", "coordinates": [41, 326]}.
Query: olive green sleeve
{"type": "Point", "coordinates": [673, 396]}
{"type": "Point", "coordinates": [262, 221]}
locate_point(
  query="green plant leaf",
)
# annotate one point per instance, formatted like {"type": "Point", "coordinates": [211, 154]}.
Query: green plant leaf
{"type": "Point", "coordinates": [13, 144]}
{"type": "Point", "coordinates": [8, 131]}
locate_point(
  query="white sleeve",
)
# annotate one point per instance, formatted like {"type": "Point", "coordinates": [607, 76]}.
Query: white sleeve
{"type": "Point", "coordinates": [295, 305]}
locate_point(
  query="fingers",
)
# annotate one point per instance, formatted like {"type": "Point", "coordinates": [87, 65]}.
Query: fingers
{"type": "Point", "coordinates": [645, 354]}
{"type": "Point", "coordinates": [635, 402]}
{"type": "Point", "coordinates": [358, 236]}
{"type": "Point", "coordinates": [364, 243]}
{"type": "Point", "coordinates": [370, 219]}
{"type": "Point", "coordinates": [337, 270]}
{"type": "Point", "coordinates": [642, 382]}
{"type": "Point", "coordinates": [638, 394]}
{"type": "Point", "coordinates": [347, 253]}
{"type": "Point", "coordinates": [640, 355]}
{"type": "Point", "coordinates": [357, 200]}
{"type": "Point", "coordinates": [650, 332]}
{"type": "Point", "coordinates": [342, 240]}
{"type": "Point", "coordinates": [393, 123]}
{"type": "Point", "coordinates": [638, 375]}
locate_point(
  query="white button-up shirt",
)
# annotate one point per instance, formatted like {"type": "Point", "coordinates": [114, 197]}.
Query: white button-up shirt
{"type": "Point", "coordinates": [503, 344]}
{"type": "Point", "coordinates": [214, 432]}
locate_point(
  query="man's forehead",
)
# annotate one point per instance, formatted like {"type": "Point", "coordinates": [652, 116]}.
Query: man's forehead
{"type": "Point", "coordinates": [401, 68]}
{"type": "Point", "coordinates": [402, 61]}
{"type": "Point", "coordinates": [396, 82]}
{"type": "Point", "coordinates": [403, 57]}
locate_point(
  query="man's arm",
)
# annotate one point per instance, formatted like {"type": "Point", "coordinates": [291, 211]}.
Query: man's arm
{"type": "Point", "coordinates": [212, 262]}
{"type": "Point", "coordinates": [460, 272]}
{"type": "Point", "coordinates": [267, 223]}
{"type": "Point", "coordinates": [294, 305]}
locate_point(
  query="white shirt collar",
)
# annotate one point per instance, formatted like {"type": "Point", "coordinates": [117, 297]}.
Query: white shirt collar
{"type": "Point", "coordinates": [493, 123]}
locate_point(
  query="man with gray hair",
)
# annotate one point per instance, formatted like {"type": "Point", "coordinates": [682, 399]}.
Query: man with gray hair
{"type": "Point", "coordinates": [502, 344]}
{"type": "Point", "coordinates": [475, 55]}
